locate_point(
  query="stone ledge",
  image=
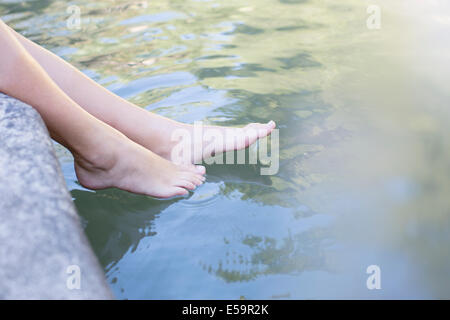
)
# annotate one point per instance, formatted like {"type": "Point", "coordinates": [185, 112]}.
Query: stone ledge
{"type": "Point", "coordinates": [40, 231]}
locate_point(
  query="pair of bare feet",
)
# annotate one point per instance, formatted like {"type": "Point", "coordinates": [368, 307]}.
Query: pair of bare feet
{"type": "Point", "coordinates": [114, 143]}
{"type": "Point", "coordinates": [117, 161]}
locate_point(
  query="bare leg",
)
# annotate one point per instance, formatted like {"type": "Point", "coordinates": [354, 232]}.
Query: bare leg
{"type": "Point", "coordinates": [104, 157]}
{"type": "Point", "coordinates": [147, 129]}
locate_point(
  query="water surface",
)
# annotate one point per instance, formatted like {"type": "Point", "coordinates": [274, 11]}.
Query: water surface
{"type": "Point", "coordinates": [364, 145]}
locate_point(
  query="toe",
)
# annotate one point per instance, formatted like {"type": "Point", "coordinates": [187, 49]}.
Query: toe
{"type": "Point", "coordinates": [265, 129]}
{"type": "Point", "coordinates": [173, 192]}
{"type": "Point", "coordinates": [198, 181]}
{"type": "Point", "coordinates": [177, 191]}
{"type": "Point", "coordinates": [195, 169]}
{"type": "Point", "coordinates": [187, 175]}
{"type": "Point", "coordinates": [200, 169]}
{"type": "Point", "coordinates": [186, 184]}
{"type": "Point", "coordinates": [194, 178]}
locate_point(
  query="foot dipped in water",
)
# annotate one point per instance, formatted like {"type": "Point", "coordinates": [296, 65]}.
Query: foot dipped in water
{"type": "Point", "coordinates": [116, 161]}
{"type": "Point", "coordinates": [205, 141]}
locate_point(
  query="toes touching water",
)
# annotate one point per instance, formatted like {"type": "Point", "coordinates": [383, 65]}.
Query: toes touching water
{"type": "Point", "coordinates": [114, 143]}
{"type": "Point", "coordinates": [126, 165]}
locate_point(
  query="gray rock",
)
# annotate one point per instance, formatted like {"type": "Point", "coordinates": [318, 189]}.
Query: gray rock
{"type": "Point", "coordinates": [41, 238]}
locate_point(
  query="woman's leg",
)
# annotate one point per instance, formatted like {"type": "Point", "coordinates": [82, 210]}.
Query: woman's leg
{"type": "Point", "coordinates": [103, 156]}
{"type": "Point", "coordinates": [150, 130]}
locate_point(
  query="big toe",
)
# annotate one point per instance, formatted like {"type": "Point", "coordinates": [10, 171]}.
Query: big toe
{"type": "Point", "coordinates": [266, 128]}
{"type": "Point", "coordinates": [193, 177]}
{"type": "Point", "coordinates": [262, 129]}
{"type": "Point", "coordinates": [173, 192]}
{"type": "Point", "coordinates": [200, 169]}
{"type": "Point", "coordinates": [197, 169]}
{"type": "Point", "coordinates": [271, 124]}
{"type": "Point", "coordinates": [186, 184]}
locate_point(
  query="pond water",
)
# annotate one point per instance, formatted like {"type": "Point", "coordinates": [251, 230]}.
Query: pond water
{"type": "Point", "coordinates": [364, 146]}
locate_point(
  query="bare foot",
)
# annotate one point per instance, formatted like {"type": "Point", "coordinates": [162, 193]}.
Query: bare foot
{"type": "Point", "coordinates": [121, 163]}
{"type": "Point", "coordinates": [233, 139]}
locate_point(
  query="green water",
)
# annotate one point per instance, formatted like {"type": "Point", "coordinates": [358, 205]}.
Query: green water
{"type": "Point", "coordinates": [364, 144]}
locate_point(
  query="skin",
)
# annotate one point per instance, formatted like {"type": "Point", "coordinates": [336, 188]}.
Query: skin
{"type": "Point", "coordinates": [114, 142]}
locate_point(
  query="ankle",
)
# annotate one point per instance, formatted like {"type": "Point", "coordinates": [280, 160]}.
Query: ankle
{"type": "Point", "coordinates": [96, 162]}
{"type": "Point", "coordinates": [101, 154]}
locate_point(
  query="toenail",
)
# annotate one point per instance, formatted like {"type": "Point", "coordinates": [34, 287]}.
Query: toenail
{"type": "Point", "coordinates": [200, 169]}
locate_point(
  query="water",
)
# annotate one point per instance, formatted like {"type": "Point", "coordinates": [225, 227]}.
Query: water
{"type": "Point", "coordinates": [364, 145]}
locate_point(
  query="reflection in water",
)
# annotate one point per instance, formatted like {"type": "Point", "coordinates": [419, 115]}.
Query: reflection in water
{"type": "Point", "coordinates": [118, 221]}
{"type": "Point", "coordinates": [363, 144]}
{"type": "Point", "coordinates": [295, 254]}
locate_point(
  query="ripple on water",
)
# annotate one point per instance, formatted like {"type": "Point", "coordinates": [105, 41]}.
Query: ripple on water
{"type": "Point", "coordinates": [205, 195]}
